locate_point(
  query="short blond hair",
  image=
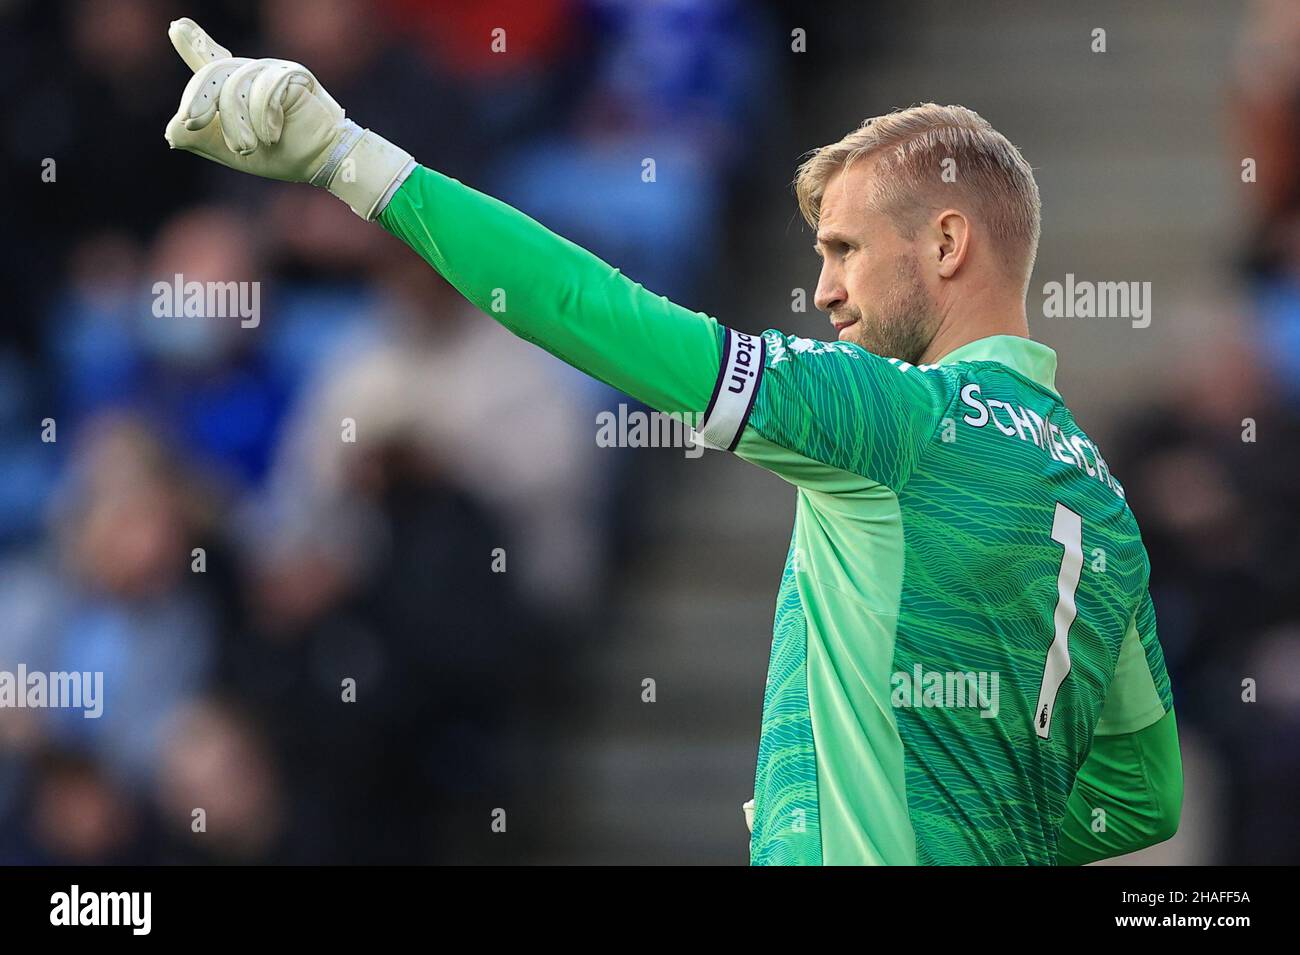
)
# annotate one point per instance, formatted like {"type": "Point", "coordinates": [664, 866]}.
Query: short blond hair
{"type": "Point", "coordinates": [910, 146]}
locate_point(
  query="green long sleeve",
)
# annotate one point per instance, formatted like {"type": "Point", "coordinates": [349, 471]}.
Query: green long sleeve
{"type": "Point", "coordinates": [1137, 780]}
{"type": "Point", "coordinates": [551, 292]}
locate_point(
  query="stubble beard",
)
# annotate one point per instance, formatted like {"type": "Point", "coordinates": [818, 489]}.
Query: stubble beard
{"type": "Point", "coordinates": [904, 321]}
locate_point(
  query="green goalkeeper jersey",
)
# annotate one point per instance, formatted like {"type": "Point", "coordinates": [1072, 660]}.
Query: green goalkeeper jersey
{"type": "Point", "coordinates": [964, 665]}
{"type": "Point", "coordinates": [963, 582]}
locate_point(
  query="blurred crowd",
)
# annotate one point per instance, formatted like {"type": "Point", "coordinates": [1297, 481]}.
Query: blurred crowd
{"type": "Point", "coordinates": [181, 508]}
{"type": "Point", "coordinates": [1211, 472]}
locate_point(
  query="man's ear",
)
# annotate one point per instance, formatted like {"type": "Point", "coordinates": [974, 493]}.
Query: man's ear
{"type": "Point", "coordinates": [952, 236]}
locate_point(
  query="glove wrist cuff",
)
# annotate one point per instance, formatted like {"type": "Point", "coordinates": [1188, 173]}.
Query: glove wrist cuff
{"type": "Point", "coordinates": [338, 152]}
{"type": "Point", "coordinates": [364, 170]}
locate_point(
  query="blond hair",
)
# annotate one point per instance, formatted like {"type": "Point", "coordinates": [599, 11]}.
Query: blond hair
{"type": "Point", "coordinates": [911, 146]}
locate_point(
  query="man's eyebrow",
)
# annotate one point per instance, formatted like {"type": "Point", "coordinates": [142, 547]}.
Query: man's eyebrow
{"type": "Point", "coordinates": [826, 238]}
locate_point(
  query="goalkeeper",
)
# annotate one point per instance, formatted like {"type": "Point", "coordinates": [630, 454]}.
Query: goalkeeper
{"type": "Point", "coordinates": [964, 664]}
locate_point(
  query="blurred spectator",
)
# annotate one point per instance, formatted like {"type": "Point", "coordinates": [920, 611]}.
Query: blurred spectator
{"type": "Point", "coordinates": [515, 65]}
{"type": "Point", "coordinates": [218, 790]}
{"type": "Point", "coordinates": [442, 656]}
{"type": "Point", "coordinates": [501, 418]}
{"type": "Point", "coordinates": [202, 379]}
{"type": "Point", "coordinates": [79, 816]}
{"type": "Point", "coordinates": [116, 596]}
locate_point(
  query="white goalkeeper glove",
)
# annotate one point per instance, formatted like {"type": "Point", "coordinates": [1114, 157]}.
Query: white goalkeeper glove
{"type": "Point", "coordinates": [273, 119]}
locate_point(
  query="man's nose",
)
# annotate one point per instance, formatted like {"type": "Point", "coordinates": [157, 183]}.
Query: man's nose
{"type": "Point", "coordinates": [830, 292]}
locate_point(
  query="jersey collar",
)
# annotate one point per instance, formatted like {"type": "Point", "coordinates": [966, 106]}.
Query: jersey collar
{"type": "Point", "coordinates": [1032, 359]}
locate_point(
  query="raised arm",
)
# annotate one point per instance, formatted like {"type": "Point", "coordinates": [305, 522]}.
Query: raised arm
{"type": "Point", "coordinates": [556, 294]}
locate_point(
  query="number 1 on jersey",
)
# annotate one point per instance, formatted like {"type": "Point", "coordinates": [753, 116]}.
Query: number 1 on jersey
{"type": "Point", "coordinates": [1067, 530]}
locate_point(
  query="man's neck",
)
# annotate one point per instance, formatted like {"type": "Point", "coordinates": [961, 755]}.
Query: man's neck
{"type": "Point", "coordinates": [958, 330]}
